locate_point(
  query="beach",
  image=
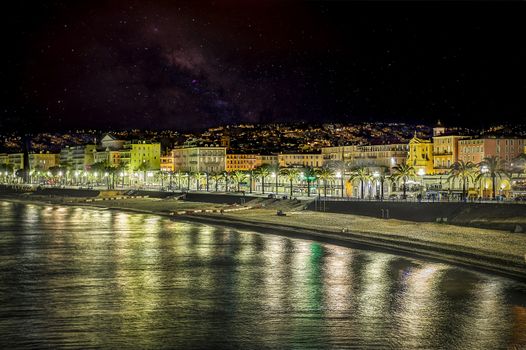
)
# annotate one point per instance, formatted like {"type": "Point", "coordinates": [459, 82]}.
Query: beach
{"type": "Point", "coordinates": [488, 249]}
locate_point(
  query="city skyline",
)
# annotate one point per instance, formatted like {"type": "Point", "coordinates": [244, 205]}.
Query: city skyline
{"type": "Point", "coordinates": [188, 66]}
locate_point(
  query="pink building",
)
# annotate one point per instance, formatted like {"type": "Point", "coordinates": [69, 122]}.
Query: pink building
{"type": "Point", "coordinates": [475, 150]}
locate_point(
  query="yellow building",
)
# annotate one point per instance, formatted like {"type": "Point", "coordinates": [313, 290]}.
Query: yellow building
{"type": "Point", "coordinates": [167, 162]}
{"type": "Point", "coordinates": [112, 158]}
{"type": "Point", "coordinates": [421, 155]}
{"type": "Point", "coordinates": [142, 152]}
{"type": "Point", "coordinates": [16, 160]}
{"type": "Point", "coordinates": [43, 161]}
{"type": "Point", "coordinates": [3, 158]}
{"type": "Point", "coordinates": [445, 152]}
{"type": "Point", "coordinates": [242, 162]}
{"type": "Point", "coordinates": [300, 159]}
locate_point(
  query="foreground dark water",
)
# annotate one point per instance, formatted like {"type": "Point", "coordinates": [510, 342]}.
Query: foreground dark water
{"type": "Point", "coordinates": [83, 278]}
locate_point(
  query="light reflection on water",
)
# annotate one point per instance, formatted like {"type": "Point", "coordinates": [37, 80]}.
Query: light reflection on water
{"type": "Point", "coordinates": [72, 277]}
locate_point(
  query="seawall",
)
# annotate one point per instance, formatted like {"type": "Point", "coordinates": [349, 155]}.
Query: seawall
{"type": "Point", "coordinates": [504, 216]}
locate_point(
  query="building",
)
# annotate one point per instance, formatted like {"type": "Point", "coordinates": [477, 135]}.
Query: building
{"type": "Point", "coordinates": [4, 159]}
{"type": "Point", "coordinates": [110, 142]}
{"type": "Point", "coordinates": [78, 157]}
{"type": "Point", "coordinates": [374, 156]}
{"type": "Point", "coordinates": [339, 153]}
{"type": "Point", "coordinates": [439, 129]}
{"type": "Point", "coordinates": [199, 159]}
{"type": "Point", "coordinates": [167, 162]}
{"type": "Point", "coordinates": [112, 152]}
{"type": "Point", "coordinates": [445, 152]}
{"type": "Point", "coordinates": [16, 160]}
{"type": "Point", "coordinates": [136, 153]}
{"type": "Point", "coordinates": [300, 159]}
{"type": "Point", "coordinates": [476, 149]}
{"type": "Point", "coordinates": [111, 158]}
{"type": "Point", "coordinates": [271, 160]}
{"type": "Point", "coordinates": [43, 161]}
{"type": "Point", "coordinates": [421, 155]}
{"type": "Point", "coordinates": [225, 141]}
{"type": "Point", "coordinates": [242, 162]}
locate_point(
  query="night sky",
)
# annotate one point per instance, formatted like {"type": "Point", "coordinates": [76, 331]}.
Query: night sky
{"type": "Point", "coordinates": [193, 64]}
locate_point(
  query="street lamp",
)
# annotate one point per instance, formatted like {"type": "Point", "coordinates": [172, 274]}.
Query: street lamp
{"type": "Point", "coordinates": [376, 175]}
{"type": "Point", "coordinates": [421, 173]}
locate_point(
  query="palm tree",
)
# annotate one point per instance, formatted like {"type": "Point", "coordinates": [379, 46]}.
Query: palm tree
{"type": "Point", "coordinates": [325, 174]}
{"type": "Point", "coordinates": [227, 177]}
{"type": "Point", "coordinates": [274, 171]}
{"type": "Point", "coordinates": [238, 177]}
{"type": "Point", "coordinates": [216, 177]}
{"type": "Point", "coordinates": [341, 167]}
{"type": "Point", "coordinates": [188, 175]}
{"type": "Point", "coordinates": [362, 174]}
{"type": "Point", "coordinates": [119, 169]}
{"type": "Point", "coordinates": [207, 181]}
{"type": "Point", "coordinates": [310, 175]}
{"type": "Point", "coordinates": [404, 172]}
{"type": "Point", "coordinates": [198, 176]}
{"type": "Point", "coordinates": [290, 174]}
{"type": "Point", "coordinates": [492, 167]}
{"type": "Point", "coordinates": [464, 171]}
{"type": "Point", "coordinates": [518, 165]}
{"type": "Point", "coordinates": [179, 174]}
{"type": "Point", "coordinates": [144, 167]}
{"type": "Point", "coordinates": [162, 176]}
{"type": "Point", "coordinates": [66, 168]}
{"type": "Point", "coordinates": [262, 172]}
{"type": "Point", "coordinates": [6, 169]}
{"type": "Point", "coordinates": [110, 171]}
{"type": "Point", "coordinates": [382, 175]}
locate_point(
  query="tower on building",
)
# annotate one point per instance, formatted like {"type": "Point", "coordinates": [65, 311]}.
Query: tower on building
{"type": "Point", "coordinates": [439, 129]}
{"type": "Point", "coordinates": [225, 141]}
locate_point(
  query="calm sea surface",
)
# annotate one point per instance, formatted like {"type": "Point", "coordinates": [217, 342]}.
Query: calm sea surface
{"type": "Point", "coordinates": [86, 278]}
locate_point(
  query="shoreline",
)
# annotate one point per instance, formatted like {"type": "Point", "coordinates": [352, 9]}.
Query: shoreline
{"type": "Point", "coordinates": [506, 265]}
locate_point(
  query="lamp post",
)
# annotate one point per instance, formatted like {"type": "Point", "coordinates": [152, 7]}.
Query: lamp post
{"type": "Point", "coordinates": [122, 179]}
{"type": "Point", "coordinates": [250, 180]}
{"type": "Point", "coordinates": [484, 170]}
{"type": "Point", "coordinates": [338, 175]}
{"type": "Point", "coordinates": [376, 175]}
{"type": "Point", "coordinates": [421, 173]}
